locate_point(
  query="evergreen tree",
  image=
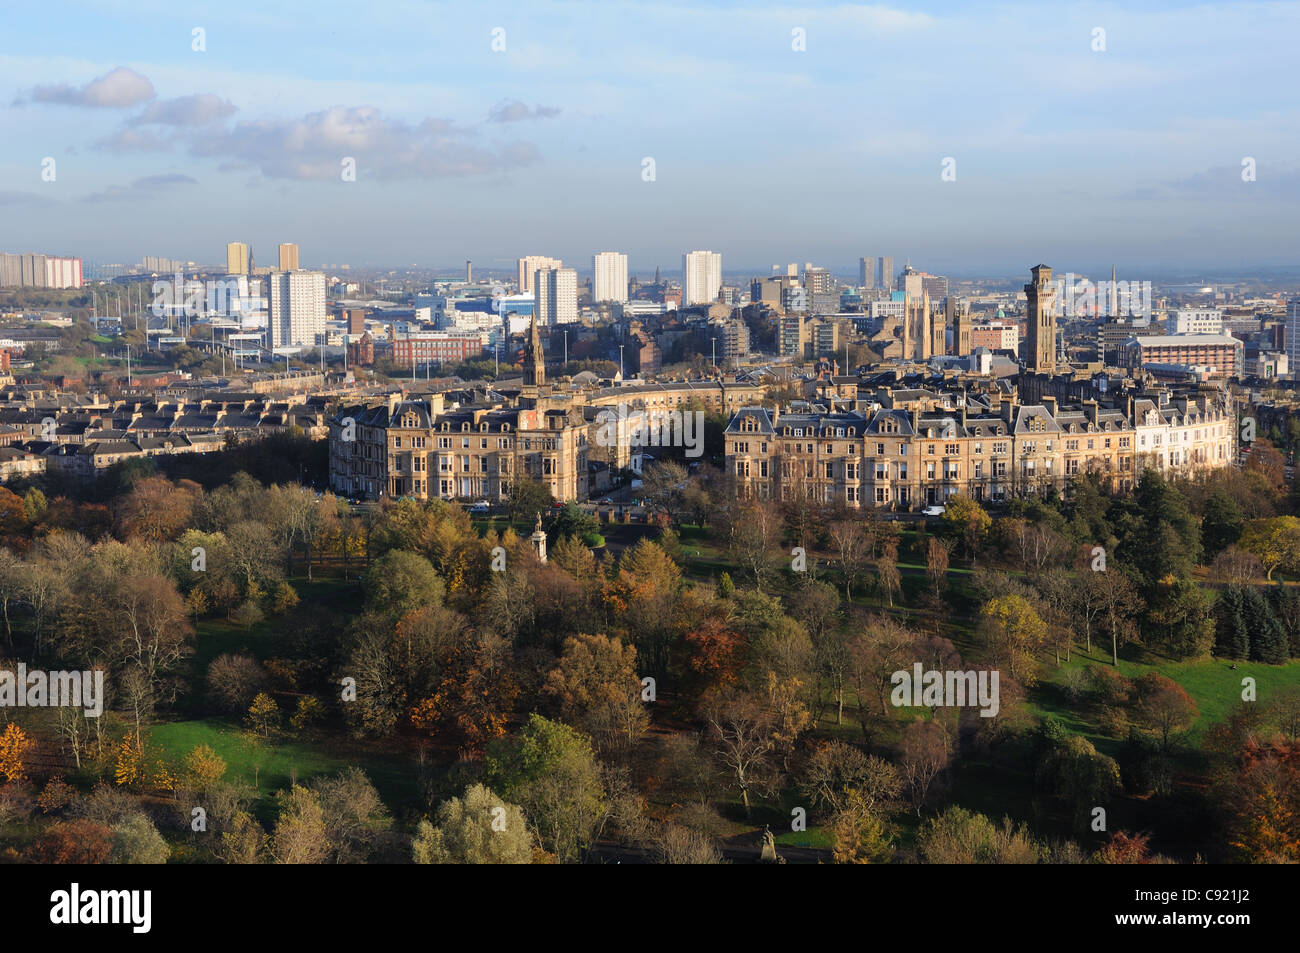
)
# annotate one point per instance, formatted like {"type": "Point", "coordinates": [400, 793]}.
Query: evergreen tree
{"type": "Point", "coordinates": [1267, 640]}
{"type": "Point", "coordinates": [1232, 640]}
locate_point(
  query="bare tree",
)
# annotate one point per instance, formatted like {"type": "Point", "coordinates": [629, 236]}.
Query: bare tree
{"type": "Point", "coordinates": [851, 541]}
{"type": "Point", "coordinates": [925, 751]}
{"type": "Point", "coordinates": [743, 733]}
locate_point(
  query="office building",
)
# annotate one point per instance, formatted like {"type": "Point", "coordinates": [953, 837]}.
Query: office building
{"type": "Point", "coordinates": [818, 281]}
{"type": "Point", "coordinates": [1220, 353]}
{"type": "Point", "coordinates": [885, 272]}
{"type": "Point", "coordinates": [288, 257]}
{"type": "Point", "coordinates": [1195, 321]}
{"type": "Point", "coordinates": [936, 286]}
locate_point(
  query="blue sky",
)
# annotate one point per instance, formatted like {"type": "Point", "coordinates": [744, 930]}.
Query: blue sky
{"type": "Point", "coordinates": [763, 152]}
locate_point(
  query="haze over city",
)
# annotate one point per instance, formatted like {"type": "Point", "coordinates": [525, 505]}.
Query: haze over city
{"type": "Point", "coordinates": [776, 131]}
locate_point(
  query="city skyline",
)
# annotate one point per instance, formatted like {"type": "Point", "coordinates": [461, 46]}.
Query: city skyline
{"type": "Point", "coordinates": [1132, 153]}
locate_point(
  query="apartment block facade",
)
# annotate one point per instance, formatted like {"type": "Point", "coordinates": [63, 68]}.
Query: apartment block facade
{"type": "Point", "coordinates": [909, 457]}
{"type": "Point", "coordinates": [415, 448]}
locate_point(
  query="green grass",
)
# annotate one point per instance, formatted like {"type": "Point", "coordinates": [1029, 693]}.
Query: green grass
{"type": "Point", "coordinates": [272, 765]}
{"type": "Point", "coordinates": [1213, 685]}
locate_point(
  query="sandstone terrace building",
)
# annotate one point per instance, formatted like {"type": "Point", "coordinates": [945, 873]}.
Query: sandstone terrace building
{"type": "Point", "coordinates": [85, 435]}
{"type": "Point", "coordinates": [418, 448]}
{"type": "Point", "coordinates": [441, 446]}
{"type": "Point", "coordinates": [914, 448]}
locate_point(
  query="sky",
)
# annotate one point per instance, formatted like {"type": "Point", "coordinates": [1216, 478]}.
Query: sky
{"type": "Point", "coordinates": [770, 133]}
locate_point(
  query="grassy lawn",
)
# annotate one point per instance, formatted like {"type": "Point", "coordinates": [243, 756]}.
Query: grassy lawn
{"type": "Point", "coordinates": [269, 766]}
{"type": "Point", "coordinates": [1214, 686]}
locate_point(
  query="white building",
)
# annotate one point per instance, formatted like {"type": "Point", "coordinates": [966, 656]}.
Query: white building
{"type": "Point", "coordinates": [62, 272]}
{"type": "Point", "coordinates": [529, 265]}
{"type": "Point", "coordinates": [701, 277]}
{"type": "Point", "coordinates": [295, 308]}
{"type": "Point", "coordinates": [1293, 333]}
{"type": "Point", "coordinates": [556, 291]}
{"type": "Point", "coordinates": [1195, 321]}
{"type": "Point", "coordinates": [888, 308]}
{"type": "Point", "coordinates": [609, 277]}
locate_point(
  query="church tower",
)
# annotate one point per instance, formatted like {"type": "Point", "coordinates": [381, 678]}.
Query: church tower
{"type": "Point", "coordinates": [534, 358]}
{"type": "Point", "coordinates": [1040, 321]}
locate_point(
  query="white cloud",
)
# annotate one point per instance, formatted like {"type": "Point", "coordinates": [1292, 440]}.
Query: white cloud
{"type": "Point", "coordinates": [116, 89]}
{"type": "Point", "coordinates": [197, 110]}
{"type": "Point", "coordinates": [314, 146]}
{"type": "Point", "coordinates": [512, 110]}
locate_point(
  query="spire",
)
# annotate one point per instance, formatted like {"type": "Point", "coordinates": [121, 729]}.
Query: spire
{"type": "Point", "coordinates": [534, 357]}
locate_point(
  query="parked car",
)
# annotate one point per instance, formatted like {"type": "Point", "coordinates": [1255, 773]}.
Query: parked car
{"type": "Point", "coordinates": [937, 510]}
{"type": "Point", "coordinates": [482, 506]}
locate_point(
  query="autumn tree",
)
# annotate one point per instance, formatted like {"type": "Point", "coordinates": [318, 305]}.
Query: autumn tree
{"type": "Point", "coordinates": [263, 715]}
{"type": "Point", "coordinates": [837, 772]}
{"type": "Point", "coordinates": [711, 654]}
{"type": "Point", "coordinates": [401, 582]}
{"type": "Point", "coordinates": [596, 687]}
{"type": "Point", "coordinates": [1163, 705]}
{"type": "Point", "coordinates": [136, 841]}
{"type": "Point", "coordinates": [14, 746]}
{"type": "Point", "coordinates": [936, 563]}
{"type": "Point", "coordinates": [1013, 632]}
{"type": "Point", "coordinates": [300, 835]}
{"type": "Point", "coordinates": [550, 770]}
{"type": "Point", "coordinates": [959, 836]}
{"type": "Point", "coordinates": [478, 828]}
{"type": "Point", "coordinates": [964, 519]}
{"type": "Point", "coordinates": [474, 695]}
{"type": "Point", "coordinates": [859, 835]}
{"type": "Point", "coordinates": [754, 532]}
{"type": "Point", "coordinates": [156, 510]}
{"type": "Point", "coordinates": [204, 767]}
{"type": "Point", "coordinates": [1275, 542]}
{"type": "Point", "coordinates": [888, 578]}
{"type": "Point", "coordinates": [1261, 801]}
{"type": "Point", "coordinates": [354, 816]}
{"type": "Point", "coordinates": [76, 841]}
